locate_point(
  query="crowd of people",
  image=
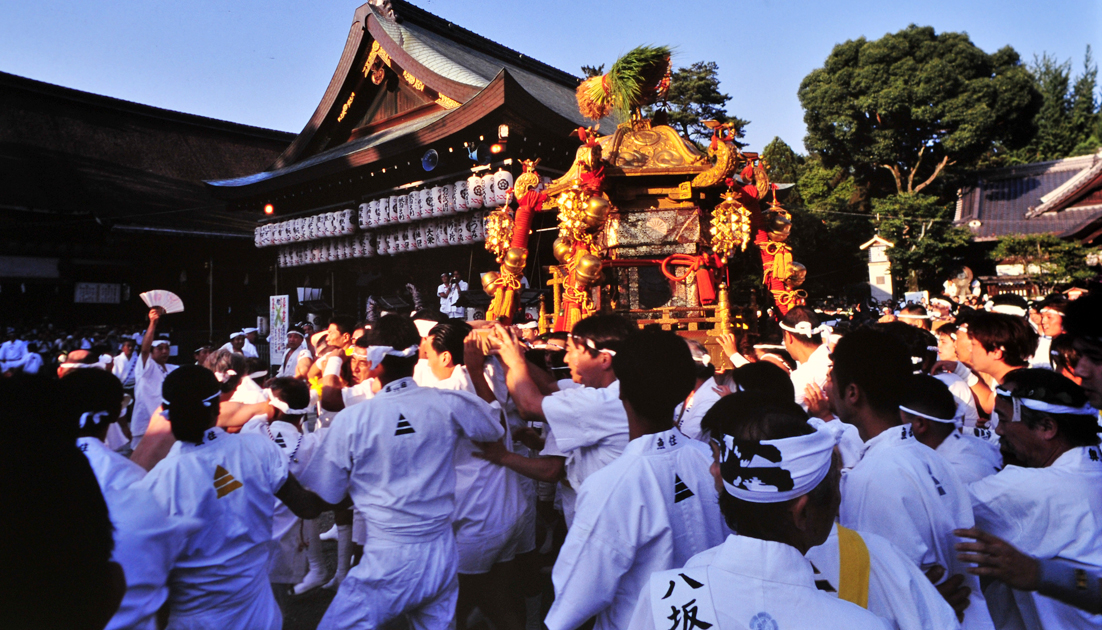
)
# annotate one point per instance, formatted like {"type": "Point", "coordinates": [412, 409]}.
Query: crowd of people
{"type": "Point", "coordinates": [915, 469]}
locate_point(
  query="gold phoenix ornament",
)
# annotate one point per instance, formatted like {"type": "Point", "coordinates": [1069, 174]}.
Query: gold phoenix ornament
{"type": "Point", "coordinates": [730, 226]}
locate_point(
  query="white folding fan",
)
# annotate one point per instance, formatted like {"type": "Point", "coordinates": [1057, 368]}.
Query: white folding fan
{"type": "Point", "coordinates": [165, 299]}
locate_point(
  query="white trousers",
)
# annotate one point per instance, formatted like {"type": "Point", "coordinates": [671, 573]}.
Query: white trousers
{"type": "Point", "coordinates": [418, 579]}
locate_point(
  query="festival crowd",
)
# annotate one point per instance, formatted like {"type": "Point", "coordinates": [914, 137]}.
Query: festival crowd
{"type": "Point", "coordinates": [914, 469]}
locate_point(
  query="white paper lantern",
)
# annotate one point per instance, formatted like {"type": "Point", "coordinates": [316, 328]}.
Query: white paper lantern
{"type": "Point", "coordinates": [428, 231]}
{"type": "Point", "coordinates": [489, 197]}
{"type": "Point", "coordinates": [465, 235]}
{"type": "Point", "coordinates": [368, 245]}
{"type": "Point", "coordinates": [503, 183]}
{"type": "Point", "coordinates": [363, 216]}
{"type": "Point", "coordinates": [474, 192]}
{"type": "Point", "coordinates": [455, 236]}
{"type": "Point", "coordinates": [427, 205]}
{"type": "Point", "coordinates": [472, 226]}
{"type": "Point", "coordinates": [439, 208]}
{"type": "Point", "coordinates": [413, 202]}
{"type": "Point", "coordinates": [398, 209]}
{"type": "Point", "coordinates": [441, 229]}
{"type": "Point", "coordinates": [461, 195]}
{"type": "Point", "coordinates": [418, 236]}
{"type": "Point", "coordinates": [347, 226]}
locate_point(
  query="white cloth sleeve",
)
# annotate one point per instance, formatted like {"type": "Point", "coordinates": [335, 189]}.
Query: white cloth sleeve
{"type": "Point", "coordinates": [475, 417]}
{"type": "Point", "coordinates": [900, 592]}
{"type": "Point", "coordinates": [878, 506]}
{"type": "Point", "coordinates": [333, 366]}
{"type": "Point", "coordinates": [564, 412]}
{"type": "Point", "coordinates": [330, 469]}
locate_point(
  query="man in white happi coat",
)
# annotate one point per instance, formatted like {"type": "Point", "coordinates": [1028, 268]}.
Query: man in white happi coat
{"type": "Point", "coordinates": [804, 341]}
{"type": "Point", "coordinates": [152, 368]}
{"type": "Point", "coordinates": [297, 357]}
{"type": "Point", "coordinates": [933, 414]}
{"type": "Point", "coordinates": [280, 420]}
{"type": "Point", "coordinates": [1051, 507]}
{"type": "Point", "coordinates": [230, 483]}
{"type": "Point", "coordinates": [394, 455]}
{"type": "Point", "coordinates": [901, 489]}
{"type": "Point", "coordinates": [691, 411]}
{"type": "Point", "coordinates": [652, 508]}
{"type": "Point", "coordinates": [587, 426]}
{"type": "Point", "coordinates": [249, 347]}
{"type": "Point", "coordinates": [147, 539]}
{"type": "Point", "coordinates": [779, 490]}
{"type": "Point", "coordinates": [488, 499]}
{"type": "Point", "coordinates": [236, 343]}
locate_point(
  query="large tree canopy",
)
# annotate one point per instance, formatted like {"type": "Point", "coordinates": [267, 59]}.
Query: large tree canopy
{"type": "Point", "coordinates": [694, 97]}
{"type": "Point", "coordinates": [914, 102]}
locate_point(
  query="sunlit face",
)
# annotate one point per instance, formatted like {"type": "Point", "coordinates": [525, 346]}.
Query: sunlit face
{"type": "Point", "coordinates": [1025, 443]}
{"type": "Point", "coordinates": [440, 363]}
{"type": "Point", "coordinates": [1089, 369]}
{"type": "Point", "coordinates": [336, 338]}
{"type": "Point", "coordinates": [964, 346]}
{"type": "Point", "coordinates": [360, 368]}
{"type": "Point", "coordinates": [584, 367]}
{"type": "Point", "coordinates": [237, 343]}
{"type": "Point", "coordinates": [946, 348]}
{"type": "Point", "coordinates": [1052, 323]}
{"type": "Point", "coordinates": [294, 340]}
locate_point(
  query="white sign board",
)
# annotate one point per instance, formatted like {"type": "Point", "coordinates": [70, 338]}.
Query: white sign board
{"type": "Point", "coordinates": [277, 339]}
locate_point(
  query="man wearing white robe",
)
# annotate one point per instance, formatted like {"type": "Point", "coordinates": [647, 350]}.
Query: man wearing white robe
{"type": "Point", "coordinates": [650, 510]}
{"type": "Point", "coordinates": [901, 489]}
{"type": "Point", "coordinates": [780, 493]}
{"type": "Point", "coordinates": [1052, 507]}
{"type": "Point", "coordinates": [688, 414]}
{"type": "Point", "coordinates": [934, 414]}
{"type": "Point", "coordinates": [803, 340]}
{"type": "Point", "coordinates": [587, 426]}
{"type": "Point", "coordinates": [150, 374]}
{"type": "Point", "coordinates": [296, 352]}
{"type": "Point", "coordinates": [393, 454]}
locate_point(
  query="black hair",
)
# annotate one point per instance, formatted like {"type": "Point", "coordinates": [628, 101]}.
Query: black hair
{"type": "Point", "coordinates": [430, 314]}
{"type": "Point", "coordinates": [54, 567]}
{"type": "Point", "coordinates": [345, 325]}
{"type": "Point", "coordinates": [293, 391]}
{"type": "Point", "coordinates": [799, 314]}
{"type": "Point", "coordinates": [224, 361]}
{"type": "Point", "coordinates": [754, 416]}
{"type": "Point", "coordinates": [765, 378]}
{"type": "Point", "coordinates": [449, 337]}
{"type": "Point", "coordinates": [928, 395]}
{"type": "Point", "coordinates": [190, 402]}
{"type": "Point", "coordinates": [1084, 318]}
{"type": "Point", "coordinates": [656, 372]}
{"type": "Point", "coordinates": [1062, 353]}
{"type": "Point", "coordinates": [1009, 333]}
{"type": "Point", "coordinates": [920, 343]}
{"type": "Point", "coordinates": [90, 399]}
{"type": "Point", "coordinates": [877, 363]}
{"type": "Point", "coordinates": [1055, 389]}
{"type": "Point", "coordinates": [606, 331]}
{"type": "Point", "coordinates": [913, 309]}
{"type": "Point", "coordinates": [399, 333]}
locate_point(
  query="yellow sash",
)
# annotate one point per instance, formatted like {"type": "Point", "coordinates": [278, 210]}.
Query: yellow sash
{"type": "Point", "coordinates": [854, 568]}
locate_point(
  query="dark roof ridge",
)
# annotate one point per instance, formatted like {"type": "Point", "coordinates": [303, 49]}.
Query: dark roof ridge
{"type": "Point", "coordinates": [407, 11]}
{"type": "Point", "coordinates": [140, 109]}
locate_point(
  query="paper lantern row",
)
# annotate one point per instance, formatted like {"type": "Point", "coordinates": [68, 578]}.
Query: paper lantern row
{"type": "Point", "coordinates": [489, 191]}
{"type": "Point", "coordinates": [389, 241]}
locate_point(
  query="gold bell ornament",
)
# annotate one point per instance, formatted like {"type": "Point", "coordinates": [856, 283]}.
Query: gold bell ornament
{"type": "Point", "coordinates": [489, 280]}
{"type": "Point", "coordinates": [514, 261]}
{"type": "Point", "coordinates": [596, 211]}
{"type": "Point", "coordinates": [797, 273]}
{"type": "Point", "coordinates": [588, 269]}
{"type": "Point", "coordinates": [562, 249]}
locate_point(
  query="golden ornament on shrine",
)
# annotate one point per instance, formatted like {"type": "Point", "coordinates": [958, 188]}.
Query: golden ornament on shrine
{"type": "Point", "coordinates": [595, 211]}
{"type": "Point", "coordinates": [499, 233]}
{"type": "Point", "coordinates": [797, 273]}
{"type": "Point", "coordinates": [730, 227]}
{"type": "Point", "coordinates": [778, 226]}
{"type": "Point", "coordinates": [562, 249]}
{"type": "Point", "coordinates": [514, 260]}
{"type": "Point", "coordinates": [588, 269]}
{"type": "Point", "coordinates": [489, 279]}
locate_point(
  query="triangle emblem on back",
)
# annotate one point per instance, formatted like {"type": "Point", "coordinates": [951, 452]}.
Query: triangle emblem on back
{"type": "Point", "coordinates": [404, 427]}
{"type": "Point", "coordinates": [680, 490]}
{"type": "Point", "coordinates": [224, 482]}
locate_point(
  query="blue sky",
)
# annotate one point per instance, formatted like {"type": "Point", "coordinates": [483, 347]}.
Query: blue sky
{"type": "Point", "coordinates": [268, 63]}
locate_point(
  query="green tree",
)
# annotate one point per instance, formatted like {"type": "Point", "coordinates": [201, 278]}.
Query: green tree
{"type": "Point", "coordinates": [927, 245]}
{"type": "Point", "coordinates": [694, 96]}
{"type": "Point", "coordinates": [1046, 259]}
{"type": "Point", "coordinates": [913, 103]}
{"type": "Point", "coordinates": [1086, 121]}
{"type": "Point", "coordinates": [593, 71]}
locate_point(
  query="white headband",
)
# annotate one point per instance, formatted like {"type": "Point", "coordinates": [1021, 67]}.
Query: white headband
{"type": "Point", "coordinates": [805, 329]}
{"type": "Point", "coordinates": [769, 346]}
{"type": "Point", "coordinates": [93, 417]}
{"type": "Point", "coordinates": [772, 471]}
{"type": "Point", "coordinates": [1038, 405]}
{"type": "Point", "coordinates": [376, 354]}
{"type": "Point", "coordinates": [424, 326]}
{"type": "Point", "coordinates": [1007, 309]}
{"type": "Point", "coordinates": [224, 376]}
{"type": "Point", "coordinates": [704, 359]}
{"type": "Point", "coordinates": [159, 342]}
{"type": "Point", "coordinates": [914, 315]}
{"type": "Point", "coordinates": [282, 406]}
{"type": "Point", "coordinates": [952, 420]}
{"type": "Point", "coordinates": [77, 366]}
{"type": "Point", "coordinates": [1049, 309]}
{"type": "Point", "coordinates": [589, 343]}
{"type": "Point", "coordinates": [207, 402]}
